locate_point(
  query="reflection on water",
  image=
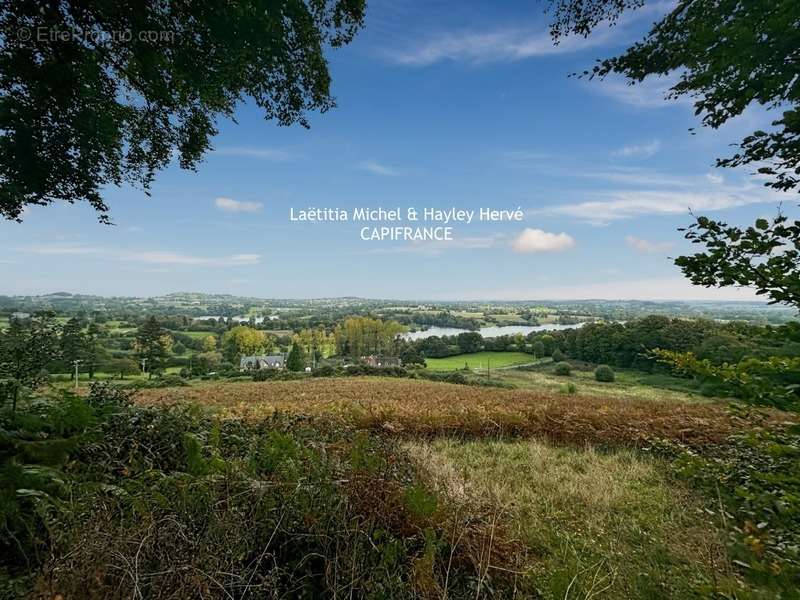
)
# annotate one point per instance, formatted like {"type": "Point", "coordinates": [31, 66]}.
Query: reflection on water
{"type": "Point", "coordinates": [488, 332]}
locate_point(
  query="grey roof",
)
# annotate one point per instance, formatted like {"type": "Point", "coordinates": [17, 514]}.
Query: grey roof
{"type": "Point", "coordinates": [270, 359]}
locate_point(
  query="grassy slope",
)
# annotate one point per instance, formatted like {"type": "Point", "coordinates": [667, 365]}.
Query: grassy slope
{"type": "Point", "coordinates": [595, 524]}
{"type": "Point", "coordinates": [479, 360]}
{"type": "Point", "coordinates": [574, 521]}
{"type": "Point", "coordinates": [628, 384]}
{"type": "Point", "coordinates": [196, 334]}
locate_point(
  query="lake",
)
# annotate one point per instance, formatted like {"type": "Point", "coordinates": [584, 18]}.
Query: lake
{"type": "Point", "coordinates": [488, 332]}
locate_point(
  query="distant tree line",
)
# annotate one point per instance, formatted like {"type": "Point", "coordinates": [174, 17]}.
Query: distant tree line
{"type": "Point", "coordinates": [626, 345]}
{"type": "Point", "coordinates": [439, 319]}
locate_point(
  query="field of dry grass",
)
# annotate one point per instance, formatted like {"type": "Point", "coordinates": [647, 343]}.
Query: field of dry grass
{"type": "Point", "coordinates": [423, 408]}
{"type": "Point", "coordinates": [551, 490]}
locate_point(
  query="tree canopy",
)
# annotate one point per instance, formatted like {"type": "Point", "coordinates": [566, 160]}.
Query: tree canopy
{"type": "Point", "coordinates": [27, 348]}
{"type": "Point", "coordinates": [153, 345]}
{"type": "Point", "coordinates": [727, 55]}
{"type": "Point", "coordinates": [765, 256]}
{"type": "Point", "coordinates": [243, 340]}
{"type": "Point", "coordinates": [107, 93]}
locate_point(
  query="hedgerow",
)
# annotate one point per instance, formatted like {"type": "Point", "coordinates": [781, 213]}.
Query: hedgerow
{"type": "Point", "coordinates": [101, 498]}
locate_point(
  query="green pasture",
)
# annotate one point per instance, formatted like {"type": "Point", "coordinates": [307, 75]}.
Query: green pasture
{"type": "Point", "coordinates": [479, 361]}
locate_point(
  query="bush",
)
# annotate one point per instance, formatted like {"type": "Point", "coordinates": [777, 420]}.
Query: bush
{"type": "Point", "coordinates": [563, 368]}
{"type": "Point", "coordinates": [558, 356]}
{"type": "Point", "coordinates": [277, 375]}
{"type": "Point", "coordinates": [168, 487]}
{"type": "Point", "coordinates": [357, 370]}
{"type": "Point", "coordinates": [568, 388]}
{"type": "Point", "coordinates": [604, 373]}
{"type": "Point", "coordinates": [324, 371]}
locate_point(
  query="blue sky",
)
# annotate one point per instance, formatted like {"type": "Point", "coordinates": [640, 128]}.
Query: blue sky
{"type": "Point", "coordinates": [440, 105]}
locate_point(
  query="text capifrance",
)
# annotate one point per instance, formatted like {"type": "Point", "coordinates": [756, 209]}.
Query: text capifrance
{"type": "Point", "coordinates": [421, 224]}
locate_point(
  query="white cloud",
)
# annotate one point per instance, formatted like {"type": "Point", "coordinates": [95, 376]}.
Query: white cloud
{"type": "Point", "coordinates": [236, 206]}
{"type": "Point", "coordinates": [647, 247]}
{"type": "Point", "coordinates": [245, 259]}
{"type": "Point", "coordinates": [715, 178]}
{"type": "Point", "coordinates": [536, 240]}
{"type": "Point", "coordinates": [158, 257]}
{"type": "Point", "coordinates": [638, 150]}
{"type": "Point", "coordinates": [650, 93]}
{"type": "Point", "coordinates": [499, 45]}
{"type": "Point", "coordinates": [675, 198]}
{"type": "Point", "coordinates": [262, 153]}
{"type": "Point", "coordinates": [379, 169]}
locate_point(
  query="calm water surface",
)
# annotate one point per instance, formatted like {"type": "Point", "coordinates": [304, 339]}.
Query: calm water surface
{"type": "Point", "coordinates": [488, 332]}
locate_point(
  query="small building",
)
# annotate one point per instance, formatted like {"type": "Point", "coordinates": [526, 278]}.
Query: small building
{"type": "Point", "coordinates": [263, 361]}
{"type": "Point", "coordinates": [19, 316]}
{"type": "Point", "coordinates": [376, 360]}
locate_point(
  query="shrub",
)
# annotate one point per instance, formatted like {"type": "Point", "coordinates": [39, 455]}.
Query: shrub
{"type": "Point", "coordinates": [196, 477]}
{"type": "Point", "coordinates": [456, 377]}
{"type": "Point", "coordinates": [277, 375]}
{"type": "Point", "coordinates": [361, 369]}
{"type": "Point", "coordinates": [568, 388]}
{"type": "Point", "coordinates": [324, 371]}
{"type": "Point", "coordinates": [558, 355]}
{"type": "Point", "coordinates": [604, 373]}
{"type": "Point", "coordinates": [265, 374]}
{"type": "Point", "coordinates": [563, 368]}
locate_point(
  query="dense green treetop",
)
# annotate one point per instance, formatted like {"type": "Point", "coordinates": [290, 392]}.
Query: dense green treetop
{"type": "Point", "coordinates": [97, 93]}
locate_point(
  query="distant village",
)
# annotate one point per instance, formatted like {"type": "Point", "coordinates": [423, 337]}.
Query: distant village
{"type": "Point", "coordinates": [278, 361]}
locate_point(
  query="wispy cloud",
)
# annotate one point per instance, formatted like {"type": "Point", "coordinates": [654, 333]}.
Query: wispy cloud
{"type": "Point", "coordinates": [275, 154]}
{"type": "Point", "coordinates": [638, 150]}
{"type": "Point", "coordinates": [650, 93]}
{"type": "Point", "coordinates": [646, 246]}
{"type": "Point", "coordinates": [537, 240]}
{"type": "Point", "coordinates": [379, 169]}
{"type": "Point", "coordinates": [237, 206]}
{"type": "Point", "coordinates": [646, 192]}
{"type": "Point", "coordinates": [158, 257]}
{"type": "Point", "coordinates": [715, 178]}
{"type": "Point", "coordinates": [509, 42]}
{"type": "Point", "coordinates": [624, 204]}
{"type": "Point", "coordinates": [498, 45]}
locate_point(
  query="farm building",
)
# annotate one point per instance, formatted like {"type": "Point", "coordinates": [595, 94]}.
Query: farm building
{"type": "Point", "coordinates": [375, 360]}
{"type": "Point", "coordinates": [264, 361]}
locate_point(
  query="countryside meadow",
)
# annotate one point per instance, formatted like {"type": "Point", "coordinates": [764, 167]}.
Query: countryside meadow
{"type": "Point", "coordinates": [394, 299]}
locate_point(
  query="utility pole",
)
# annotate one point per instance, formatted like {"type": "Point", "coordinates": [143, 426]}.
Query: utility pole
{"type": "Point", "coordinates": [76, 363]}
